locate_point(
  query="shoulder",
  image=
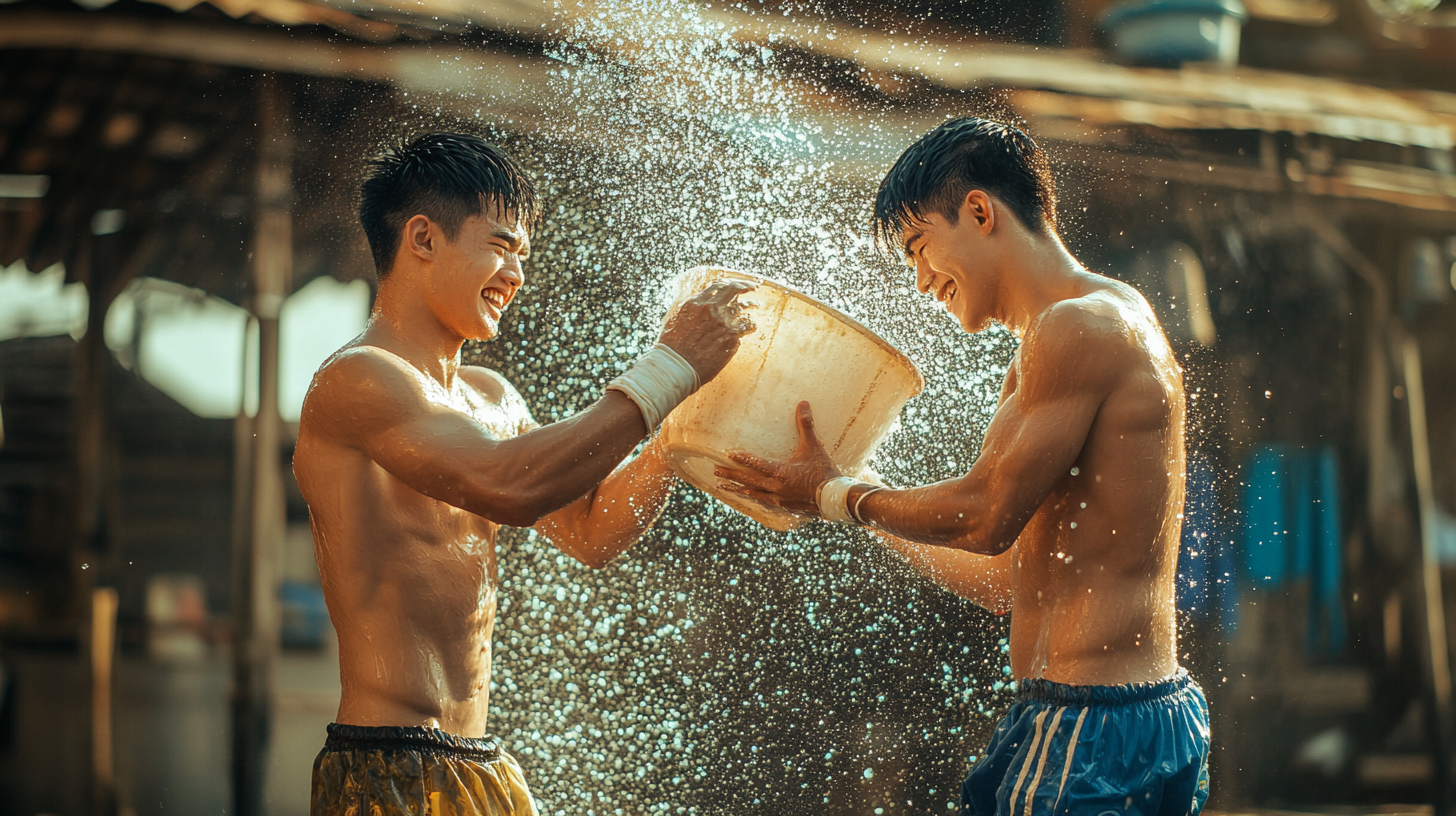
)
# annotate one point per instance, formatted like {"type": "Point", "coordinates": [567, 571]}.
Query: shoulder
{"type": "Point", "coordinates": [360, 387]}
{"type": "Point", "coordinates": [1087, 340]}
{"type": "Point", "coordinates": [362, 369]}
{"type": "Point", "coordinates": [1104, 321]}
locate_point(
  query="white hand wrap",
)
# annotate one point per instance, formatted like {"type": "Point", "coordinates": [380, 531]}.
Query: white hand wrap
{"type": "Point", "coordinates": [657, 383]}
{"type": "Point", "coordinates": [833, 499]}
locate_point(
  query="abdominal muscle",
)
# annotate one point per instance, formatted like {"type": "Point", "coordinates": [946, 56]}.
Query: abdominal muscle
{"type": "Point", "coordinates": [411, 588]}
{"type": "Point", "coordinates": [1092, 579]}
{"type": "Point", "coordinates": [1113, 635]}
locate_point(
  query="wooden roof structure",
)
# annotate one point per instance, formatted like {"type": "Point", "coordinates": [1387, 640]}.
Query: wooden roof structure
{"type": "Point", "coordinates": [160, 91]}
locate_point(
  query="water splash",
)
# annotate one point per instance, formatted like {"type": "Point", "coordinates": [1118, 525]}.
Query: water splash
{"type": "Point", "coordinates": [718, 667]}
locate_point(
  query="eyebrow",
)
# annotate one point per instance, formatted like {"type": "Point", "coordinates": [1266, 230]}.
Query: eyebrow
{"type": "Point", "coordinates": [516, 242]}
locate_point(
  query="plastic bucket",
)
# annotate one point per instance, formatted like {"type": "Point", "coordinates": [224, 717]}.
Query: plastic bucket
{"type": "Point", "coordinates": [1171, 32]}
{"type": "Point", "coordinates": [803, 350]}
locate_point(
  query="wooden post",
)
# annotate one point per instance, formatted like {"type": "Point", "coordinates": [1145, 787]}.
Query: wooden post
{"type": "Point", "coordinates": [1430, 605]}
{"type": "Point", "coordinates": [88, 430]}
{"type": "Point", "coordinates": [103, 649]}
{"type": "Point", "coordinates": [1437, 652]}
{"type": "Point", "coordinates": [1377, 407]}
{"type": "Point", "coordinates": [255, 606]}
{"type": "Point", "coordinates": [94, 608]}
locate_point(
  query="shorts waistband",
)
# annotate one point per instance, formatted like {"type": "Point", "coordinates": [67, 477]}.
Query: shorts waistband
{"type": "Point", "coordinates": [409, 738]}
{"type": "Point", "coordinates": [1046, 691]}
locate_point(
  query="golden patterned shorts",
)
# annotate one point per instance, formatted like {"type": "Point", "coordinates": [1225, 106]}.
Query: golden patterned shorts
{"type": "Point", "coordinates": [396, 770]}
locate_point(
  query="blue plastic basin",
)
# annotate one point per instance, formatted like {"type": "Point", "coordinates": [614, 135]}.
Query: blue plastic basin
{"type": "Point", "coordinates": [1170, 32]}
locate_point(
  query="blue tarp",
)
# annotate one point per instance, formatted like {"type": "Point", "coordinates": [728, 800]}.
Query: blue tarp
{"type": "Point", "coordinates": [1292, 532]}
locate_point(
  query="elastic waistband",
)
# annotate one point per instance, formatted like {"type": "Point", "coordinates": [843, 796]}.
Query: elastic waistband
{"type": "Point", "coordinates": [409, 738]}
{"type": "Point", "coordinates": [1045, 691]}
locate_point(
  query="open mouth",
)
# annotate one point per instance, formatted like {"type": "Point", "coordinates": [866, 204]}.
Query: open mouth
{"type": "Point", "coordinates": [495, 298]}
{"type": "Point", "coordinates": [946, 292]}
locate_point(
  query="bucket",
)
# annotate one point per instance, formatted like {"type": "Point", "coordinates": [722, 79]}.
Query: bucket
{"type": "Point", "coordinates": [1171, 32]}
{"type": "Point", "coordinates": [803, 350]}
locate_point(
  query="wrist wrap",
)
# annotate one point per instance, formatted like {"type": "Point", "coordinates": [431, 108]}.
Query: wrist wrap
{"type": "Point", "coordinates": [832, 499]}
{"type": "Point", "coordinates": [657, 383]}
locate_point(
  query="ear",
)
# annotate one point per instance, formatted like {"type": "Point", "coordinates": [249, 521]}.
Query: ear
{"type": "Point", "coordinates": [420, 236]}
{"type": "Point", "coordinates": [981, 209]}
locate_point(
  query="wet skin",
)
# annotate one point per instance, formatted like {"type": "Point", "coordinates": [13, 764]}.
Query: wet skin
{"type": "Point", "coordinates": [410, 462]}
{"type": "Point", "coordinates": [1071, 516]}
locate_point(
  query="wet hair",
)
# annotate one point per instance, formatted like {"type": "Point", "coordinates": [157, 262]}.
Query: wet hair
{"type": "Point", "coordinates": [447, 177]}
{"type": "Point", "coordinates": [958, 156]}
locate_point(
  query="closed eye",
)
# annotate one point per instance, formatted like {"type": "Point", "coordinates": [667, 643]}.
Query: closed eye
{"type": "Point", "coordinates": [911, 249]}
{"type": "Point", "coordinates": [511, 241]}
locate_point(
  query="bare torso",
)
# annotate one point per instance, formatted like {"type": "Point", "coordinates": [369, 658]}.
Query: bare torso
{"type": "Point", "coordinates": [410, 581]}
{"type": "Point", "coordinates": [1092, 572]}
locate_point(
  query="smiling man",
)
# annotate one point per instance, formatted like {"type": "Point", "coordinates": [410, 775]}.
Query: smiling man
{"type": "Point", "coordinates": [1069, 518]}
{"type": "Point", "coordinates": [411, 461]}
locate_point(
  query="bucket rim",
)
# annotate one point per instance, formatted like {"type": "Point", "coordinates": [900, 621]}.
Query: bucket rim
{"type": "Point", "coordinates": [702, 274]}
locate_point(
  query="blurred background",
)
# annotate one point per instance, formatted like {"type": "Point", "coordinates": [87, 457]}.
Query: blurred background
{"type": "Point", "coordinates": [179, 250]}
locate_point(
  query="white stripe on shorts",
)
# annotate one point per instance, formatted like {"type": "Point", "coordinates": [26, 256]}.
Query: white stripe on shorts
{"type": "Point", "coordinates": [1026, 766]}
{"type": "Point", "coordinates": [1041, 764]}
{"type": "Point", "coordinates": [1071, 749]}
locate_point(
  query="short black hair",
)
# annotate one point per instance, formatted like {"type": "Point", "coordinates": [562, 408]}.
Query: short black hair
{"type": "Point", "coordinates": [958, 156]}
{"type": "Point", "coordinates": [447, 177]}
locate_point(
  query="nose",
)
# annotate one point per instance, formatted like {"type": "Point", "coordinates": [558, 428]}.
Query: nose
{"type": "Point", "coordinates": [924, 278]}
{"type": "Point", "coordinates": [511, 270]}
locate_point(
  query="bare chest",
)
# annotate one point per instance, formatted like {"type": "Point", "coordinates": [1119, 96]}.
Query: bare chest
{"type": "Point", "coordinates": [502, 416]}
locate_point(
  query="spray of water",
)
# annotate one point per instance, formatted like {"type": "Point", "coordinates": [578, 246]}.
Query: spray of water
{"type": "Point", "coordinates": [718, 667]}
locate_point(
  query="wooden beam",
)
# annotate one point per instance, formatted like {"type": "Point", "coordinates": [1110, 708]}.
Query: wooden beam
{"type": "Point", "coordinates": [513, 80]}
{"type": "Point", "coordinates": [1409, 188]}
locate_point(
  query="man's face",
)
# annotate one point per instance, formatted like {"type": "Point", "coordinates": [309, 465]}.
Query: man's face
{"type": "Point", "coordinates": [947, 265]}
{"type": "Point", "coordinates": [477, 275]}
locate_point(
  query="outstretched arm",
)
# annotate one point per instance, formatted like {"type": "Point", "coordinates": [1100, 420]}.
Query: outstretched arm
{"type": "Point", "coordinates": [379, 404]}
{"type": "Point", "coordinates": [984, 580]}
{"type": "Point", "coordinates": [602, 524]}
{"type": "Point", "coordinates": [1068, 367]}
{"type": "Point", "coordinates": [374, 401]}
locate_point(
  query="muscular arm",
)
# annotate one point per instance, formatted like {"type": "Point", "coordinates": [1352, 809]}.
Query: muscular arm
{"type": "Point", "coordinates": [599, 526]}
{"type": "Point", "coordinates": [375, 402]}
{"type": "Point", "coordinates": [602, 524]}
{"type": "Point", "coordinates": [1069, 364]}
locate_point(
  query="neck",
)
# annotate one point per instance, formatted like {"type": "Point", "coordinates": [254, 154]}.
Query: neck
{"type": "Point", "coordinates": [1040, 272]}
{"type": "Point", "coordinates": [403, 324]}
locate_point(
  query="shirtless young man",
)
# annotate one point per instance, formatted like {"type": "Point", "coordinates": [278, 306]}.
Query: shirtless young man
{"type": "Point", "coordinates": [1070, 518]}
{"type": "Point", "coordinates": [410, 463]}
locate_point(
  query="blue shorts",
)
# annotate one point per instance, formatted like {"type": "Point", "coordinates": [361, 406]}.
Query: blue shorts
{"type": "Point", "coordinates": [1095, 751]}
